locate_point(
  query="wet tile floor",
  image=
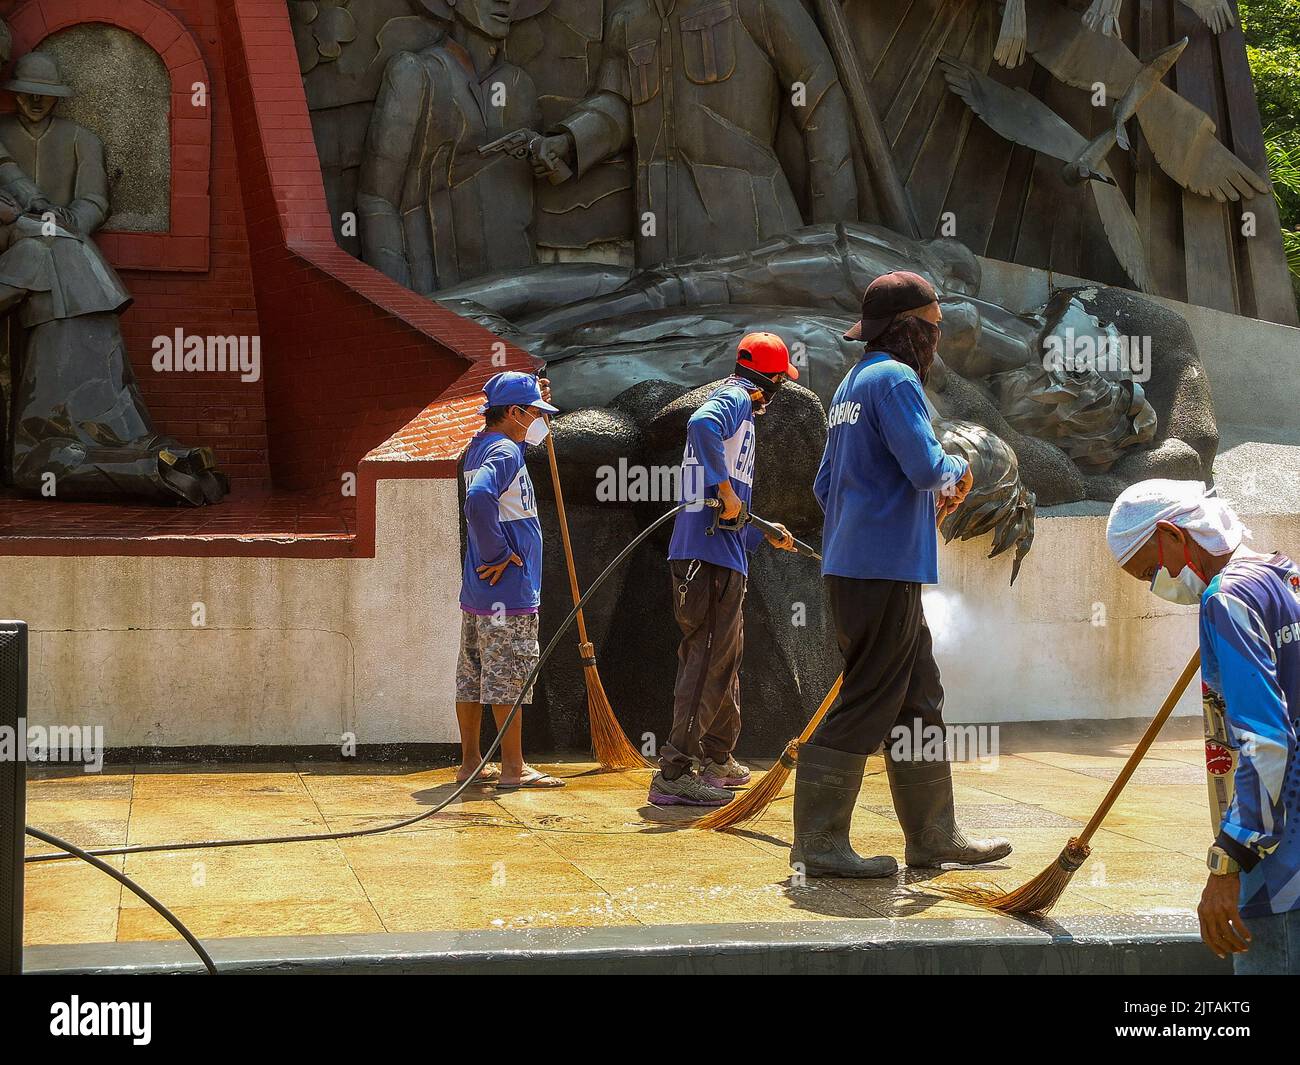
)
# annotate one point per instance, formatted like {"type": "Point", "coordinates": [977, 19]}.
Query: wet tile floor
{"type": "Point", "coordinates": [592, 854]}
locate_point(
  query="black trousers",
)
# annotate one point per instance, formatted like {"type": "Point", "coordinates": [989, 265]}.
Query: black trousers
{"type": "Point", "coordinates": [890, 675]}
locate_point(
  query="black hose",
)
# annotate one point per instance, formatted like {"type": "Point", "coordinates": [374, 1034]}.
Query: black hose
{"type": "Point", "coordinates": [73, 851]}
{"type": "Point", "coordinates": [147, 848]}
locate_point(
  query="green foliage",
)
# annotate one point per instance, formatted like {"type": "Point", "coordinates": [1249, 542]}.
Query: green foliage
{"type": "Point", "coordinates": [1272, 31]}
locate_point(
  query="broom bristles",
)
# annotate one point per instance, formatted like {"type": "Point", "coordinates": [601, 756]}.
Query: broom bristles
{"type": "Point", "coordinates": [1038, 896]}
{"type": "Point", "coordinates": [756, 800]}
{"type": "Point", "coordinates": [609, 745]}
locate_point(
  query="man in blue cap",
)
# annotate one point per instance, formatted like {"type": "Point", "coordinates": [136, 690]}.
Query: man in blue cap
{"type": "Point", "coordinates": [501, 586]}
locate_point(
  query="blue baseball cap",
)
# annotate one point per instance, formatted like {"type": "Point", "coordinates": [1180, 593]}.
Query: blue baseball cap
{"type": "Point", "coordinates": [512, 388]}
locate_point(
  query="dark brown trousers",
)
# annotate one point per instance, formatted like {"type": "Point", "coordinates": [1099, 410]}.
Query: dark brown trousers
{"type": "Point", "coordinates": [706, 697]}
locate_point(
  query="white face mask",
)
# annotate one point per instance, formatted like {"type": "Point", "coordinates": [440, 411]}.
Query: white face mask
{"type": "Point", "coordinates": [1184, 590]}
{"type": "Point", "coordinates": [537, 431]}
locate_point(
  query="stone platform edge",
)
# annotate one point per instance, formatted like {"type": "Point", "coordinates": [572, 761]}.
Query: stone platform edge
{"type": "Point", "coordinates": [1112, 945]}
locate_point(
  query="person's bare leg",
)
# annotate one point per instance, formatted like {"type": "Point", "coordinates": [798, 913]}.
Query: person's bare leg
{"type": "Point", "coordinates": [469, 719]}
{"type": "Point", "coordinates": [512, 744]}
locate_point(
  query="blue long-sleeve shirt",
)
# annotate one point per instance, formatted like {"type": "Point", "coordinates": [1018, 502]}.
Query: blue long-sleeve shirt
{"type": "Point", "coordinates": [1250, 669]}
{"type": "Point", "coordinates": [720, 446]}
{"type": "Point", "coordinates": [878, 476]}
{"type": "Point", "coordinates": [500, 519]}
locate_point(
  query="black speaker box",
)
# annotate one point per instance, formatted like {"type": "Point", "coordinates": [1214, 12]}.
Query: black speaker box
{"type": "Point", "coordinates": [13, 792]}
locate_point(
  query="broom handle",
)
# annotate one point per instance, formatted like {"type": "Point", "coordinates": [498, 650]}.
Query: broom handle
{"type": "Point", "coordinates": [564, 536]}
{"type": "Point", "coordinates": [1144, 745]}
{"type": "Point", "coordinates": [811, 727]}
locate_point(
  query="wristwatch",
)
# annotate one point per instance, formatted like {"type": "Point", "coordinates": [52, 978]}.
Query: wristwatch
{"type": "Point", "coordinates": [1220, 862]}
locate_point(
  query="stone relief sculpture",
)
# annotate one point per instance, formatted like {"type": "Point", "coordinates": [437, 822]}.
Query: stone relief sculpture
{"type": "Point", "coordinates": [589, 215]}
{"type": "Point", "coordinates": [696, 89]}
{"type": "Point", "coordinates": [599, 328]}
{"type": "Point", "coordinates": [998, 503]}
{"type": "Point", "coordinates": [80, 427]}
{"type": "Point", "coordinates": [1180, 135]}
{"type": "Point", "coordinates": [742, 148]}
{"type": "Point", "coordinates": [432, 211]}
{"type": "Point", "coordinates": [1103, 15]}
{"type": "Point", "coordinates": [1024, 119]}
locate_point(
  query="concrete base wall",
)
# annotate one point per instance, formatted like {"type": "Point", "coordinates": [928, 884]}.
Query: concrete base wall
{"type": "Point", "coordinates": [291, 651]}
{"type": "Point", "coordinates": [300, 652]}
{"type": "Point", "coordinates": [1074, 639]}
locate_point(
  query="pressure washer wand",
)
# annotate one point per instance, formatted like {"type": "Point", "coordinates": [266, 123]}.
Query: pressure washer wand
{"type": "Point", "coordinates": [747, 517]}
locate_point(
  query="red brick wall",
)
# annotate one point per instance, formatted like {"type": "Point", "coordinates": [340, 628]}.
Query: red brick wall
{"type": "Point", "coordinates": [355, 356]}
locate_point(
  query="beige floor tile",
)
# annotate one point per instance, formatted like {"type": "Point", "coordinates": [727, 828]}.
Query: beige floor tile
{"type": "Point", "coordinates": [720, 905]}
{"type": "Point", "coordinates": [77, 924]}
{"type": "Point", "coordinates": [658, 876]}
{"type": "Point", "coordinates": [286, 917]}
{"type": "Point", "coordinates": [80, 786]}
{"type": "Point", "coordinates": [668, 847]}
{"type": "Point", "coordinates": [204, 817]}
{"type": "Point", "coordinates": [70, 902]}
{"type": "Point", "coordinates": [208, 782]}
{"type": "Point", "coordinates": [318, 871]}
{"type": "Point", "coordinates": [591, 909]}
{"type": "Point", "coordinates": [500, 879]}
{"type": "Point", "coordinates": [90, 823]}
{"type": "Point", "coordinates": [70, 885]}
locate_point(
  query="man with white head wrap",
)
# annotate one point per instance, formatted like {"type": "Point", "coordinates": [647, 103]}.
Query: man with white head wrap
{"type": "Point", "coordinates": [1188, 545]}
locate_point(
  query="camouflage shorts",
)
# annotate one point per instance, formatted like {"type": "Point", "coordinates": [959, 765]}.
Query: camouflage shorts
{"type": "Point", "coordinates": [496, 656]}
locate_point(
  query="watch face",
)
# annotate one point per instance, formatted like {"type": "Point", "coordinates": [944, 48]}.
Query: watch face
{"type": "Point", "coordinates": [1218, 759]}
{"type": "Point", "coordinates": [1219, 861]}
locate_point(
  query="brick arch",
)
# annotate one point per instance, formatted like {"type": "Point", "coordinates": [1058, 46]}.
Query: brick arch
{"type": "Point", "coordinates": [185, 245]}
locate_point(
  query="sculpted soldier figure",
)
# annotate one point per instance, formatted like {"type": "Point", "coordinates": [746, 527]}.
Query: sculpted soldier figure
{"type": "Point", "coordinates": [697, 88]}
{"type": "Point", "coordinates": [80, 429]}
{"type": "Point", "coordinates": [432, 211]}
{"type": "Point", "coordinates": [65, 160]}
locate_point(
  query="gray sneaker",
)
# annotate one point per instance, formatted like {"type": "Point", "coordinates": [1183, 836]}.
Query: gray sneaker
{"type": "Point", "coordinates": [728, 774]}
{"type": "Point", "coordinates": [686, 790]}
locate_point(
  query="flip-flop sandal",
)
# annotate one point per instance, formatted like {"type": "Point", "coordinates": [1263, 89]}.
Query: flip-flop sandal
{"type": "Point", "coordinates": [537, 780]}
{"type": "Point", "coordinates": [489, 775]}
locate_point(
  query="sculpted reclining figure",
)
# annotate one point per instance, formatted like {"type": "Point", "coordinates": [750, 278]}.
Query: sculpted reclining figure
{"type": "Point", "coordinates": [601, 329]}
{"type": "Point", "coordinates": [81, 428]}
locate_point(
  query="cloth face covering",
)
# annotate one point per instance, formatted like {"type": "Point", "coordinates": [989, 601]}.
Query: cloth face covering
{"type": "Point", "coordinates": [912, 341]}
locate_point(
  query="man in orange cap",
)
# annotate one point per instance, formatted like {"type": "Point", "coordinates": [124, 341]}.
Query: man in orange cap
{"type": "Point", "coordinates": [709, 568]}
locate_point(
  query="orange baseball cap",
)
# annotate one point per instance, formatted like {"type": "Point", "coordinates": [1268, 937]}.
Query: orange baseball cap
{"type": "Point", "coordinates": [766, 353]}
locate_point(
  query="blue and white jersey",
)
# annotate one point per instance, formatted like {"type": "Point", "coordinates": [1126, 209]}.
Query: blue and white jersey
{"type": "Point", "coordinates": [1250, 669]}
{"type": "Point", "coordinates": [720, 446]}
{"type": "Point", "coordinates": [500, 519]}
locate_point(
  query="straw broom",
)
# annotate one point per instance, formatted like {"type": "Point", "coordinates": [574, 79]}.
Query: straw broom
{"type": "Point", "coordinates": [609, 745]}
{"type": "Point", "coordinates": [1042, 893]}
{"type": "Point", "coordinates": [758, 798]}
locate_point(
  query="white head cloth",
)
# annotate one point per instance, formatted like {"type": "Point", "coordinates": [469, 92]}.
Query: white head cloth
{"type": "Point", "coordinates": [1188, 504]}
